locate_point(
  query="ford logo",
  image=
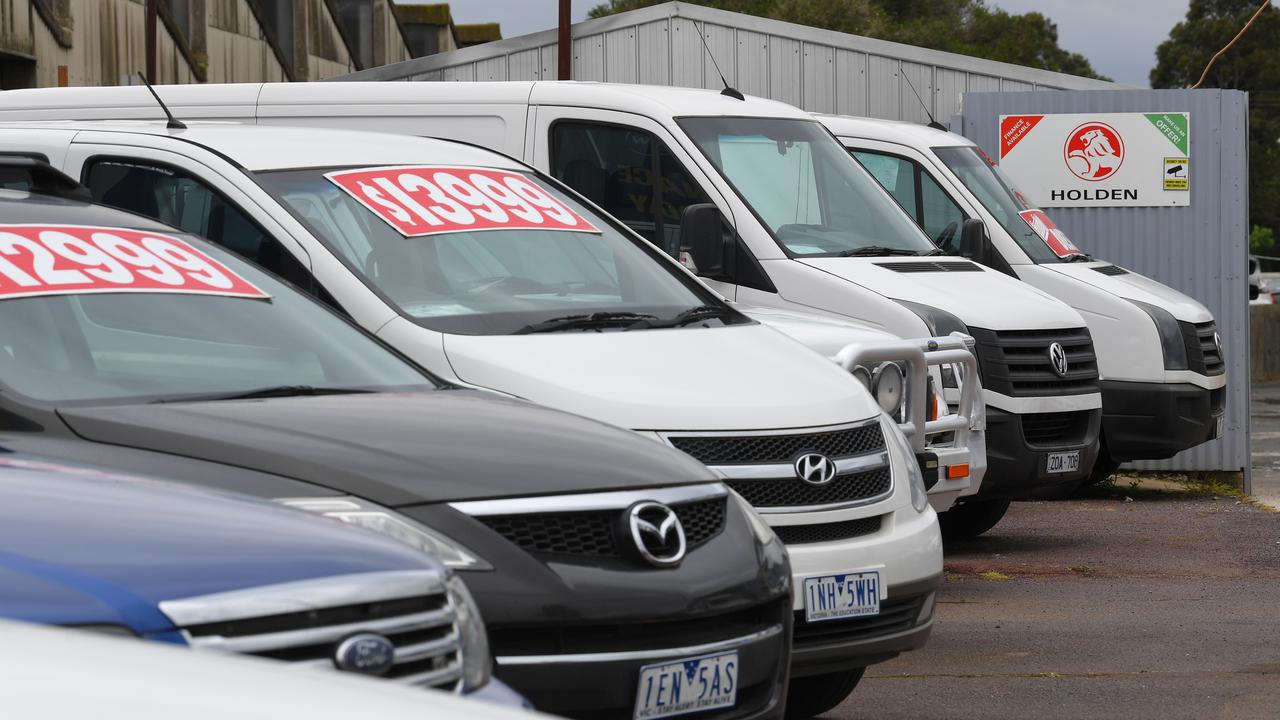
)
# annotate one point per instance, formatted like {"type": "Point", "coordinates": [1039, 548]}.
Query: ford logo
{"type": "Point", "coordinates": [366, 653]}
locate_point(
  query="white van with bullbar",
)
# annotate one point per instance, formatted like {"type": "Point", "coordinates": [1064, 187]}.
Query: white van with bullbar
{"type": "Point", "coordinates": [496, 277]}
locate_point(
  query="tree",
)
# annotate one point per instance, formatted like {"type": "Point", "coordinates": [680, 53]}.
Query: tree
{"type": "Point", "coordinates": [969, 27]}
{"type": "Point", "coordinates": [1252, 64]}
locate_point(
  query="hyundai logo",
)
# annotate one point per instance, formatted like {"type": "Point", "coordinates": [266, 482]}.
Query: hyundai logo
{"type": "Point", "coordinates": [365, 653]}
{"type": "Point", "coordinates": [657, 533]}
{"type": "Point", "coordinates": [815, 468]}
{"type": "Point", "coordinates": [1058, 359]}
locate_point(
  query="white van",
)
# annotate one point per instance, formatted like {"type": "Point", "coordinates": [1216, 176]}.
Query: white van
{"type": "Point", "coordinates": [777, 215]}
{"type": "Point", "coordinates": [1159, 356]}
{"type": "Point", "coordinates": [496, 277]}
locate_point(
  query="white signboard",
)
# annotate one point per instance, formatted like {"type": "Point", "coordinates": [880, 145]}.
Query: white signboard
{"type": "Point", "coordinates": [1099, 159]}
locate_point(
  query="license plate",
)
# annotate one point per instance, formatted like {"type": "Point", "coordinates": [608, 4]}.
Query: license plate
{"type": "Point", "coordinates": [1064, 462]}
{"type": "Point", "coordinates": [833, 597]}
{"type": "Point", "coordinates": [1217, 428]}
{"type": "Point", "coordinates": [687, 686]}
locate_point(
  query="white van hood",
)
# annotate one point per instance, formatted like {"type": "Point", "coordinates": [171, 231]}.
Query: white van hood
{"type": "Point", "coordinates": [741, 377]}
{"type": "Point", "coordinates": [823, 334]}
{"type": "Point", "coordinates": [1133, 286]}
{"type": "Point", "coordinates": [986, 299]}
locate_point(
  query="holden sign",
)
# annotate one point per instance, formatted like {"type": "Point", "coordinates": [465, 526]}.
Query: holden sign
{"type": "Point", "coordinates": [1099, 159]}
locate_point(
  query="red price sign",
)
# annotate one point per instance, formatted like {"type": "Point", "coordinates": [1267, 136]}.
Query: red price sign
{"type": "Point", "coordinates": [430, 200]}
{"type": "Point", "coordinates": [1051, 234]}
{"type": "Point", "coordinates": [74, 260]}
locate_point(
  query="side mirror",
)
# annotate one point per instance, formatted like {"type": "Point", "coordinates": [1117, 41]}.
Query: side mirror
{"type": "Point", "coordinates": [704, 248]}
{"type": "Point", "coordinates": [975, 244]}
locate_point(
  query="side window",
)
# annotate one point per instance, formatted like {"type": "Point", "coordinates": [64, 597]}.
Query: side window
{"type": "Point", "coordinates": [175, 198]}
{"type": "Point", "coordinates": [941, 218]}
{"type": "Point", "coordinates": [896, 174]}
{"type": "Point", "coordinates": [629, 173]}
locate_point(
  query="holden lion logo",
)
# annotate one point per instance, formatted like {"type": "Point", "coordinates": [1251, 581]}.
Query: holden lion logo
{"type": "Point", "coordinates": [657, 533]}
{"type": "Point", "coordinates": [815, 469]}
{"type": "Point", "coordinates": [1094, 151]}
{"type": "Point", "coordinates": [1058, 360]}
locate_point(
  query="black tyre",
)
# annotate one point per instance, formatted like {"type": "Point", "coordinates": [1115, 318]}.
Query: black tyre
{"type": "Point", "coordinates": [972, 518]}
{"type": "Point", "coordinates": [815, 694]}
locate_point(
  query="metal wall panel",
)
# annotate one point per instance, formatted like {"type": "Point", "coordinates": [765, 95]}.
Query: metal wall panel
{"type": "Point", "coordinates": [524, 65]}
{"type": "Point", "coordinates": [883, 87]}
{"type": "Point", "coordinates": [724, 45]}
{"type": "Point", "coordinates": [550, 62]}
{"type": "Point", "coordinates": [686, 53]}
{"type": "Point", "coordinates": [1200, 249]}
{"type": "Point", "coordinates": [949, 88]}
{"type": "Point", "coordinates": [784, 69]}
{"type": "Point", "coordinates": [620, 58]}
{"type": "Point", "coordinates": [493, 69]}
{"type": "Point", "coordinates": [588, 57]}
{"type": "Point", "coordinates": [851, 83]}
{"type": "Point", "coordinates": [819, 68]}
{"type": "Point", "coordinates": [753, 63]}
{"type": "Point", "coordinates": [919, 77]}
{"type": "Point", "coordinates": [653, 40]}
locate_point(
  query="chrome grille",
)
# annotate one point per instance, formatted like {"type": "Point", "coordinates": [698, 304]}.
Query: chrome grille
{"type": "Point", "coordinates": [409, 608]}
{"type": "Point", "coordinates": [792, 492]}
{"type": "Point", "coordinates": [1016, 362]}
{"type": "Point", "coordinates": [778, 448]}
{"type": "Point", "coordinates": [1203, 354]}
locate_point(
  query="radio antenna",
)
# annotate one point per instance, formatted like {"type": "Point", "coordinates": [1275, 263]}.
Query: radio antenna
{"type": "Point", "coordinates": [727, 91]}
{"type": "Point", "coordinates": [932, 123]}
{"type": "Point", "coordinates": [174, 123]}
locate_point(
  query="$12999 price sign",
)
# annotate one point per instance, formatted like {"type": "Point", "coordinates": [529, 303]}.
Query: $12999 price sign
{"type": "Point", "coordinates": [430, 200]}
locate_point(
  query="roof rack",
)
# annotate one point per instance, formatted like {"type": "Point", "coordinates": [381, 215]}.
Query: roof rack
{"type": "Point", "coordinates": [43, 178]}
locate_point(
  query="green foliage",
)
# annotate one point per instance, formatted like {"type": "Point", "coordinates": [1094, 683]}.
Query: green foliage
{"type": "Point", "coordinates": [1262, 240]}
{"type": "Point", "coordinates": [969, 27]}
{"type": "Point", "coordinates": [1252, 64]}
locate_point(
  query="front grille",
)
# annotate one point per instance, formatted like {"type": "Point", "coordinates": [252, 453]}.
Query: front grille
{"type": "Point", "coordinates": [793, 492]}
{"type": "Point", "coordinates": [1111, 270]}
{"type": "Point", "coordinates": [1055, 429]}
{"type": "Point", "coordinates": [896, 615]}
{"type": "Point", "coordinates": [827, 532]}
{"type": "Point", "coordinates": [1016, 362]}
{"type": "Point", "coordinates": [934, 266]}
{"type": "Point", "coordinates": [1203, 354]}
{"type": "Point", "coordinates": [776, 449]}
{"type": "Point", "coordinates": [595, 533]}
{"type": "Point", "coordinates": [423, 627]}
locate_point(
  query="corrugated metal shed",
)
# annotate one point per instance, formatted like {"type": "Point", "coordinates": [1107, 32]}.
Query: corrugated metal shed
{"type": "Point", "coordinates": [818, 70]}
{"type": "Point", "coordinates": [1201, 249]}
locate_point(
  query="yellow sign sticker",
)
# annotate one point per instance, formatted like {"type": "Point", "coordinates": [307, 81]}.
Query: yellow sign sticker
{"type": "Point", "coordinates": [1177, 173]}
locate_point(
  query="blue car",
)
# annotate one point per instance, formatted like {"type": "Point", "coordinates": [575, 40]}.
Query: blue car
{"type": "Point", "coordinates": [126, 555]}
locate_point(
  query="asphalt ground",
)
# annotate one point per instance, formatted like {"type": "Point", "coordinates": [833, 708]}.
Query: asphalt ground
{"type": "Point", "coordinates": [1143, 601]}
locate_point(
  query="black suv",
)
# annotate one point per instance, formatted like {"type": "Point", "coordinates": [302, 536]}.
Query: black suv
{"type": "Point", "coordinates": [618, 577]}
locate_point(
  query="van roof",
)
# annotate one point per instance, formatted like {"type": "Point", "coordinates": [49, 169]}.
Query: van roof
{"type": "Point", "coordinates": [274, 147]}
{"type": "Point", "coordinates": [896, 131]}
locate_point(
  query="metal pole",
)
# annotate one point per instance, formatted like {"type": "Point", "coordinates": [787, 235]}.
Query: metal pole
{"type": "Point", "coordinates": [152, 16]}
{"type": "Point", "coordinates": [565, 42]}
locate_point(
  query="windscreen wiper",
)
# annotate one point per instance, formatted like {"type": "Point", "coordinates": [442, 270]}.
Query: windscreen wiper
{"type": "Point", "coordinates": [874, 251]}
{"type": "Point", "coordinates": [276, 391]}
{"type": "Point", "coordinates": [1078, 257]}
{"type": "Point", "coordinates": [931, 253]}
{"type": "Point", "coordinates": [692, 315]}
{"type": "Point", "coordinates": [594, 320]}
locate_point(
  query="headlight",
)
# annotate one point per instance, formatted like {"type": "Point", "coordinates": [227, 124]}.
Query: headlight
{"type": "Point", "coordinates": [369, 516]}
{"type": "Point", "coordinates": [759, 527]}
{"type": "Point", "coordinates": [888, 386]}
{"type": "Point", "coordinates": [939, 322]}
{"type": "Point", "coordinates": [477, 664]}
{"type": "Point", "coordinates": [1171, 342]}
{"type": "Point", "coordinates": [898, 445]}
{"type": "Point", "coordinates": [863, 375]}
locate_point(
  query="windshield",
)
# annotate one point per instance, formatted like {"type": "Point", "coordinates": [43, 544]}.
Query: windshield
{"type": "Point", "coordinates": [1010, 208]}
{"type": "Point", "coordinates": [495, 281]}
{"type": "Point", "coordinates": [813, 197]}
{"type": "Point", "coordinates": [149, 346]}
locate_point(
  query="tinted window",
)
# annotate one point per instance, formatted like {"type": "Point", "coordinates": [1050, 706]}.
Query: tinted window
{"type": "Point", "coordinates": [940, 217]}
{"type": "Point", "coordinates": [896, 174]}
{"type": "Point", "coordinates": [919, 194]}
{"type": "Point", "coordinates": [175, 198]}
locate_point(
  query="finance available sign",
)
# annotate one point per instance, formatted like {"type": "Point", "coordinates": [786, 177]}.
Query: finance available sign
{"type": "Point", "coordinates": [1099, 159]}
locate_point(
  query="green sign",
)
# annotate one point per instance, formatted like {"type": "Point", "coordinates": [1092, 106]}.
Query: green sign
{"type": "Point", "coordinates": [1173, 126]}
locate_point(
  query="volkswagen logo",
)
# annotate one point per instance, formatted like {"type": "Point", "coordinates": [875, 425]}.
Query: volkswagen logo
{"type": "Point", "coordinates": [657, 533]}
{"type": "Point", "coordinates": [815, 468]}
{"type": "Point", "coordinates": [1058, 360]}
{"type": "Point", "coordinates": [1217, 344]}
{"type": "Point", "coordinates": [366, 653]}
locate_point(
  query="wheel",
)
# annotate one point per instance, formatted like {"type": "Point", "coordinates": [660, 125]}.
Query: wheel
{"type": "Point", "coordinates": [1102, 470]}
{"type": "Point", "coordinates": [970, 519]}
{"type": "Point", "coordinates": [815, 694]}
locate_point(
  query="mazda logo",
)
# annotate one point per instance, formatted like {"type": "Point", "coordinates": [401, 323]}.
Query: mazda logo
{"type": "Point", "coordinates": [815, 468]}
{"type": "Point", "coordinates": [365, 653]}
{"type": "Point", "coordinates": [1058, 360]}
{"type": "Point", "coordinates": [657, 533]}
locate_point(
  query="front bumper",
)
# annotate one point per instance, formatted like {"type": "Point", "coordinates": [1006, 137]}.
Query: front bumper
{"type": "Point", "coordinates": [1017, 464]}
{"type": "Point", "coordinates": [907, 551]}
{"type": "Point", "coordinates": [1154, 421]}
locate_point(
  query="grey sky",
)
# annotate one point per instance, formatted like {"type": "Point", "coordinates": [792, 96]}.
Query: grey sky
{"type": "Point", "coordinates": [1118, 36]}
